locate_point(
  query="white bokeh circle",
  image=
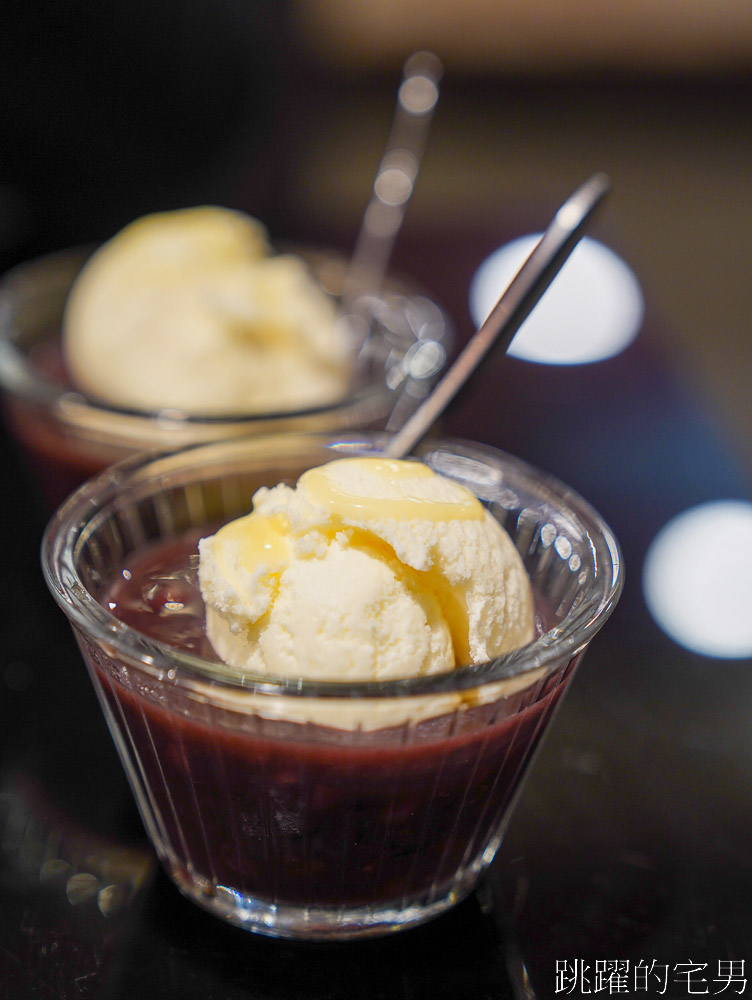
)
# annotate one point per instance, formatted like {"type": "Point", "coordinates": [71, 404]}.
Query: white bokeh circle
{"type": "Point", "coordinates": [592, 310]}
{"type": "Point", "coordinates": [697, 579]}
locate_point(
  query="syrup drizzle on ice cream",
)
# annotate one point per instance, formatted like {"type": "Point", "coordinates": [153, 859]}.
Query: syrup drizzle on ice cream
{"type": "Point", "coordinates": [370, 569]}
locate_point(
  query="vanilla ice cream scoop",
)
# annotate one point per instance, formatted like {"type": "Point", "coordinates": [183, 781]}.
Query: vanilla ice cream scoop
{"type": "Point", "coordinates": [190, 310]}
{"type": "Point", "coordinates": [370, 569]}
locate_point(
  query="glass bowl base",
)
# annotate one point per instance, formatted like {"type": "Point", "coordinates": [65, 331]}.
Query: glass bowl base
{"type": "Point", "coordinates": [314, 923]}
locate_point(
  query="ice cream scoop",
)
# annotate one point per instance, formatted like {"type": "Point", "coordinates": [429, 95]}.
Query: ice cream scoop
{"type": "Point", "coordinates": [370, 569]}
{"type": "Point", "coordinates": [191, 310]}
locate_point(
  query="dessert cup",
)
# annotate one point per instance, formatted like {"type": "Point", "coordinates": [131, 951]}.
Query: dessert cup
{"type": "Point", "coordinates": [318, 810]}
{"type": "Point", "coordinates": [68, 437]}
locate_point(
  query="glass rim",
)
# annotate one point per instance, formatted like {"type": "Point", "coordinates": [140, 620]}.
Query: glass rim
{"type": "Point", "coordinates": [18, 376]}
{"type": "Point", "coordinates": [70, 522]}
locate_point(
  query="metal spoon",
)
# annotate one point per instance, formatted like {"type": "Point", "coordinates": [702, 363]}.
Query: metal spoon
{"type": "Point", "coordinates": [517, 301]}
{"type": "Point", "coordinates": [395, 177]}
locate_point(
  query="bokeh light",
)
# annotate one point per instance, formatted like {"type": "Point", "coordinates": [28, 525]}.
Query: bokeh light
{"type": "Point", "coordinates": [592, 310]}
{"type": "Point", "coordinates": [697, 579]}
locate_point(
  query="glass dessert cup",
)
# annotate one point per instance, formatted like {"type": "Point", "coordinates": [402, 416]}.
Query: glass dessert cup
{"type": "Point", "coordinates": [69, 437]}
{"type": "Point", "coordinates": [319, 810]}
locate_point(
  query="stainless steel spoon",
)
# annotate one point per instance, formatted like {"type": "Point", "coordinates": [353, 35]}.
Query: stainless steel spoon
{"type": "Point", "coordinates": [395, 177]}
{"type": "Point", "coordinates": [517, 301]}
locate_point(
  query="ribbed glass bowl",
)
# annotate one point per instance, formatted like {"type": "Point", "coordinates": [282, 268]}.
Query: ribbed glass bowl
{"type": "Point", "coordinates": [309, 809]}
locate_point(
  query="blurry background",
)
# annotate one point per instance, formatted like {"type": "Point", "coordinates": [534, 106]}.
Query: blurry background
{"type": "Point", "coordinates": [110, 110]}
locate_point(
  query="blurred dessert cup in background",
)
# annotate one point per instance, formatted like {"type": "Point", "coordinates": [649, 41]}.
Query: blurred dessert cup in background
{"type": "Point", "coordinates": [185, 328]}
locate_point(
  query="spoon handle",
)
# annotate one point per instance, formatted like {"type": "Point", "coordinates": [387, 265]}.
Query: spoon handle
{"type": "Point", "coordinates": [396, 175]}
{"type": "Point", "coordinates": [517, 301]}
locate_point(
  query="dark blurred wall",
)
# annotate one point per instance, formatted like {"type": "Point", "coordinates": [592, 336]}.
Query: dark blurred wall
{"type": "Point", "coordinates": [109, 109]}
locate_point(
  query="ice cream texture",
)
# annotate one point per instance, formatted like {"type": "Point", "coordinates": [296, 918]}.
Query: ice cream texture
{"type": "Point", "coordinates": [190, 310]}
{"type": "Point", "coordinates": [370, 569]}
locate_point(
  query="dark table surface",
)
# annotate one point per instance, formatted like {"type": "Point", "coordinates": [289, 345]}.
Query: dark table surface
{"type": "Point", "coordinates": [632, 841]}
